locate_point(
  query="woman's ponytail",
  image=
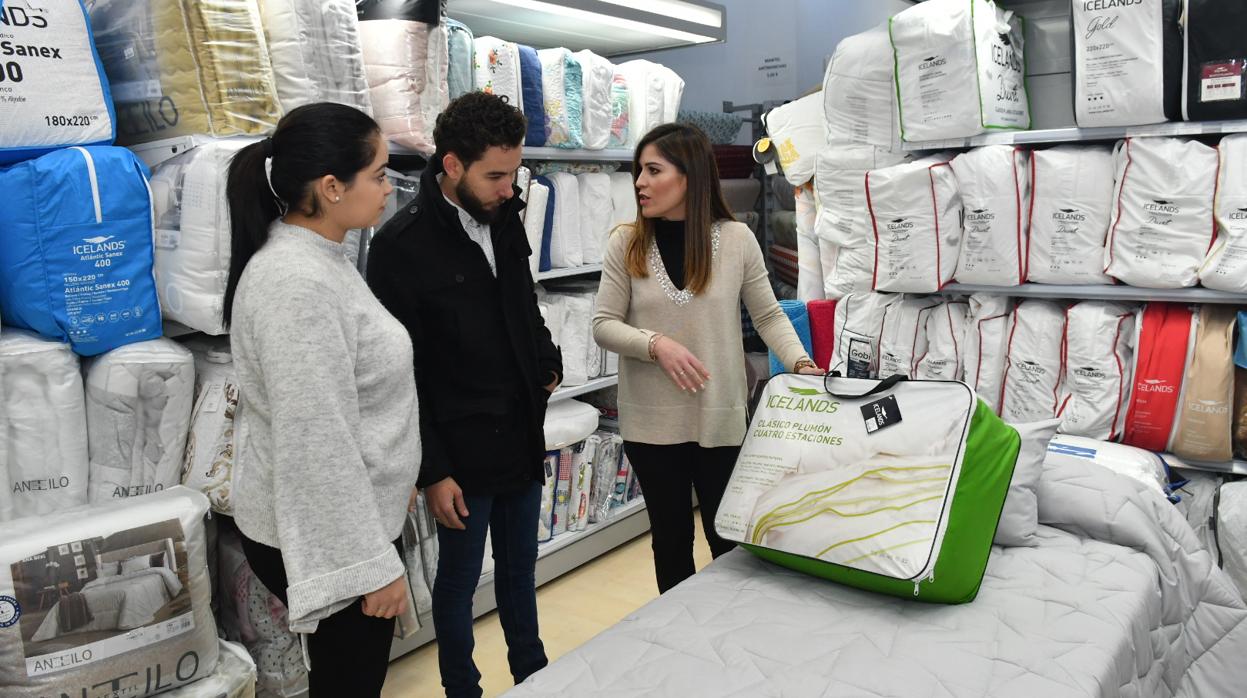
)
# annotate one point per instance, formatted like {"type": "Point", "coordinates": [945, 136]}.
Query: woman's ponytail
{"type": "Point", "coordinates": [252, 207]}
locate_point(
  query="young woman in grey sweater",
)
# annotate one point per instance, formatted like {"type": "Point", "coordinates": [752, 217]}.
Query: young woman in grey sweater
{"type": "Point", "coordinates": [669, 305]}
{"type": "Point", "coordinates": [328, 444]}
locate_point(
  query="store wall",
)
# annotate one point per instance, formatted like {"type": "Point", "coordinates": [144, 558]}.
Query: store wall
{"type": "Point", "coordinates": [775, 50]}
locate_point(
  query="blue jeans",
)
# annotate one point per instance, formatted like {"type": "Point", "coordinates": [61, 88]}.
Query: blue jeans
{"type": "Point", "coordinates": [512, 521]}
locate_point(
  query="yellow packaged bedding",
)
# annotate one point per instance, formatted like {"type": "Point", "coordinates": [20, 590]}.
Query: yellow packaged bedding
{"type": "Point", "coordinates": [180, 67]}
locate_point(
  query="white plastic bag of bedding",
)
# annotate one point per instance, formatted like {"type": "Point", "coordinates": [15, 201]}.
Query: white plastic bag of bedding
{"type": "Point", "coordinates": [545, 515]}
{"type": "Point", "coordinates": [1127, 65]}
{"type": "Point", "coordinates": [959, 69]}
{"type": "Point", "coordinates": [192, 251]}
{"type": "Point", "coordinates": [797, 134]}
{"type": "Point", "coordinates": [916, 212]}
{"type": "Point", "coordinates": [139, 400]}
{"type": "Point", "coordinates": [594, 189]}
{"type": "Point", "coordinates": [130, 606]}
{"type": "Point", "coordinates": [1033, 367]}
{"type": "Point", "coordinates": [43, 453]}
{"type": "Point", "coordinates": [809, 255]}
{"type": "Point", "coordinates": [568, 422]}
{"type": "Point", "coordinates": [843, 221]}
{"type": "Point", "coordinates": [315, 51]}
{"type": "Point", "coordinates": [946, 329]}
{"type": "Point", "coordinates": [903, 340]}
{"type": "Point", "coordinates": [605, 469]}
{"type": "Point", "coordinates": [1099, 356]}
{"type": "Point", "coordinates": [1071, 205]}
{"type": "Point", "coordinates": [986, 346]}
{"type": "Point", "coordinates": [1163, 225]}
{"type": "Point", "coordinates": [55, 90]}
{"type": "Point", "coordinates": [1225, 268]}
{"type": "Point", "coordinates": [859, 324]}
{"type": "Point", "coordinates": [582, 483]}
{"type": "Point", "coordinates": [994, 182]}
{"type": "Point", "coordinates": [1231, 518]}
{"type": "Point", "coordinates": [1135, 463]}
{"type": "Point", "coordinates": [859, 95]}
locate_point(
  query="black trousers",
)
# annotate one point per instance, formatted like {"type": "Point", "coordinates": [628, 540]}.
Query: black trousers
{"type": "Point", "coordinates": [668, 475]}
{"type": "Point", "coordinates": [350, 652]}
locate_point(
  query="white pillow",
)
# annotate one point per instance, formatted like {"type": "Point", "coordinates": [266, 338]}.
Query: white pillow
{"type": "Point", "coordinates": [136, 564]}
{"type": "Point", "coordinates": [1019, 520]}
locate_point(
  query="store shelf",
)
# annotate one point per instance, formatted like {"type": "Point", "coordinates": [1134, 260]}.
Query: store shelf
{"type": "Point", "coordinates": [155, 152]}
{"type": "Point", "coordinates": [573, 391]}
{"type": "Point", "coordinates": [1093, 292]}
{"type": "Point", "coordinates": [570, 271]}
{"type": "Point", "coordinates": [1079, 135]}
{"type": "Point", "coordinates": [1237, 466]}
{"type": "Point", "coordinates": [555, 558]}
{"type": "Point", "coordinates": [564, 155]}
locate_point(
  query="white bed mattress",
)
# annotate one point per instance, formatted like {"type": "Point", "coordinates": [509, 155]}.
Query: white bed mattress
{"type": "Point", "coordinates": [1127, 604]}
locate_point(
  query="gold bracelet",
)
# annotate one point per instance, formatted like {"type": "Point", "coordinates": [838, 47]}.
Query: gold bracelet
{"type": "Point", "coordinates": [653, 340]}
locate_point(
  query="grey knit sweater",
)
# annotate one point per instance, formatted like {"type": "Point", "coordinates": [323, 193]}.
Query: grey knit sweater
{"type": "Point", "coordinates": [328, 443]}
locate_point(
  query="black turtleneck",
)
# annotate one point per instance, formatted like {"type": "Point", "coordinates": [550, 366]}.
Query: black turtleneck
{"type": "Point", "coordinates": [670, 238]}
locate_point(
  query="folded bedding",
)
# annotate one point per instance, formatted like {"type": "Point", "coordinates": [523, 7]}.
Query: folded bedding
{"type": "Point", "coordinates": [315, 52]}
{"type": "Point", "coordinates": [461, 47]}
{"type": "Point", "coordinates": [647, 92]}
{"type": "Point", "coordinates": [405, 62]}
{"type": "Point", "coordinates": [597, 75]}
{"type": "Point", "coordinates": [547, 226]}
{"type": "Point", "coordinates": [620, 111]}
{"type": "Point", "coordinates": [138, 402]}
{"type": "Point", "coordinates": [234, 677]}
{"type": "Point", "coordinates": [1119, 598]}
{"type": "Point", "coordinates": [595, 214]}
{"type": "Point", "coordinates": [496, 66]}
{"type": "Point", "coordinates": [533, 96]}
{"type": "Point", "coordinates": [623, 199]}
{"type": "Point", "coordinates": [563, 86]}
{"type": "Point", "coordinates": [534, 222]}
{"type": "Point", "coordinates": [178, 67]}
{"type": "Point", "coordinates": [566, 247]}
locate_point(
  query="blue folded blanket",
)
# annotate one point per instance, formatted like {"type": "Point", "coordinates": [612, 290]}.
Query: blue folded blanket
{"type": "Point", "coordinates": [547, 230]}
{"type": "Point", "coordinates": [534, 96]}
{"type": "Point", "coordinates": [800, 319]}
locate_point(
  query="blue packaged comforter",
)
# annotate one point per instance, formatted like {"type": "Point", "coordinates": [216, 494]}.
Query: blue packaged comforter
{"type": "Point", "coordinates": [76, 249]}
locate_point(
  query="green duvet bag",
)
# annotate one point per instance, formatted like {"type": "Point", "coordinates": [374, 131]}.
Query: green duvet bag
{"type": "Point", "coordinates": [893, 486]}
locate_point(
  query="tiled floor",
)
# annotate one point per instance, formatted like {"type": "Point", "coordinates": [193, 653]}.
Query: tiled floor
{"type": "Point", "coordinates": [572, 609]}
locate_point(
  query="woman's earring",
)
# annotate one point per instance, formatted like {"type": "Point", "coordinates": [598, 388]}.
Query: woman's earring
{"type": "Point", "coordinates": [337, 199]}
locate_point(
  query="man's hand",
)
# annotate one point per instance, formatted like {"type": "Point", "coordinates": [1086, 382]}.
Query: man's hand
{"type": "Point", "coordinates": [554, 384]}
{"type": "Point", "coordinates": [445, 501]}
{"type": "Point", "coordinates": [388, 601]}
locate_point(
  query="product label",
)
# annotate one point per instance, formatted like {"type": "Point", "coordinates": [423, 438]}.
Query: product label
{"type": "Point", "coordinates": [1118, 51]}
{"type": "Point", "coordinates": [881, 414]}
{"type": "Point", "coordinates": [92, 599]}
{"type": "Point", "coordinates": [49, 83]}
{"type": "Point", "coordinates": [1221, 82]}
{"type": "Point", "coordinates": [861, 357]}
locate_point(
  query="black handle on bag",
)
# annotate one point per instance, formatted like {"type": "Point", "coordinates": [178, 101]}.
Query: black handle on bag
{"type": "Point", "coordinates": [883, 385]}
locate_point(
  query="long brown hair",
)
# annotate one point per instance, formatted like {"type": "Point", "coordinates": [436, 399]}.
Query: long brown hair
{"type": "Point", "coordinates": [688, 149]}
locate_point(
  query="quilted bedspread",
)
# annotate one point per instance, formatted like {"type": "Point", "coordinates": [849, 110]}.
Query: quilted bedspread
{"type": "Point", "coordinates": [1119, 598]}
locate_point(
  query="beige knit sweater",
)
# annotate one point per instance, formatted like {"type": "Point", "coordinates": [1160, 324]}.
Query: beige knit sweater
{"type": "Point", "coordinates": [652, 409]}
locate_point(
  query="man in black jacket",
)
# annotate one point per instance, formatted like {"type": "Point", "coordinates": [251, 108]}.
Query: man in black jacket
{"type": "Point", "coordinates": [453, 267]}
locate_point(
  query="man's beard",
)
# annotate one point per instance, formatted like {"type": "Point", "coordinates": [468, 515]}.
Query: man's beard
{"type": "Point", "coordinates": [474, 206]}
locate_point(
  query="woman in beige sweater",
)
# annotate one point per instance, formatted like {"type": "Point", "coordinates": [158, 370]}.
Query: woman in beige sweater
{"type": "Point", "coordinates": [669, 305]}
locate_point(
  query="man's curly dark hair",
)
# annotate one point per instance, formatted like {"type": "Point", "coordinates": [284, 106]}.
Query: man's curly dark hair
{"type": "Point", "coordinates": [475, 121]}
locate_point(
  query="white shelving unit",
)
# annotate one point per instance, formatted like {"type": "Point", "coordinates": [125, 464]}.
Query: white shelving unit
{"type": "Point", "coordinates": [555, 557]}
{"type": "Point", "coordinates": [568, 272]}
{"type": "Point", "coordinates": [1116, 292]}
{"type": "Point", "coordinates": [1238, 466]}
{"type": "Point", "coordinates": [1082, 135]}
{"type": "Point", "coordinates": [575, 390]}
{"type": "Point", "coordinates": [549, 154]}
